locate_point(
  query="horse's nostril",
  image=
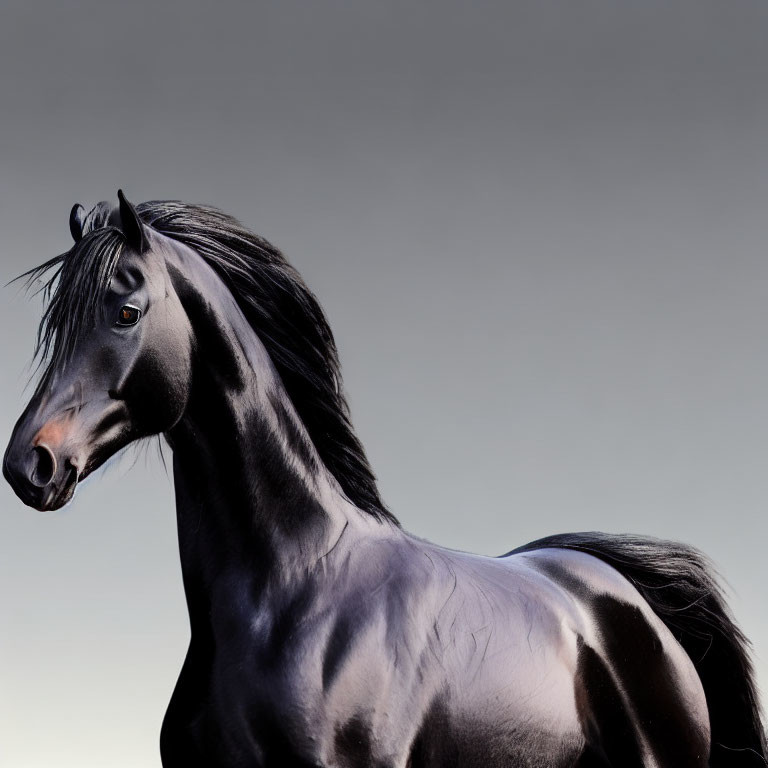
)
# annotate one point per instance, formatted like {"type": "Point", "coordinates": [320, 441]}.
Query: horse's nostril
{"type": "Point", "coordinates": [44, 467]}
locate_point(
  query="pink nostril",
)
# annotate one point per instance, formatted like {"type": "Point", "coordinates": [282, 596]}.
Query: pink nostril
{"type": "Point", "coordinates": [44, 467]}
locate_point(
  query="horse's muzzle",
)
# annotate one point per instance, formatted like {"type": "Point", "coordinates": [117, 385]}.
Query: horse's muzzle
{"type": "Point", "coordinates": [39, 478]}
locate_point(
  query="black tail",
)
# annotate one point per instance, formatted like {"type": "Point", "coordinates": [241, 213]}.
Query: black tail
{"type": "Point", "coordinates": [677, 582]}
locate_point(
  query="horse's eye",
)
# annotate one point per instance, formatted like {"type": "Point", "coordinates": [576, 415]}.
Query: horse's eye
{"type": "Point", "coordinates": [128, 315]}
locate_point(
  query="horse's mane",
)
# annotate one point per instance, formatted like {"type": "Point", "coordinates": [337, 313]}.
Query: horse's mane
{"type": "Point", "coordinates": [277, 303]}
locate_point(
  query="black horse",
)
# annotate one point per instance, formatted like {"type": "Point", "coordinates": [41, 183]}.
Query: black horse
{"type": "Point", "coordinates": [322, 634]}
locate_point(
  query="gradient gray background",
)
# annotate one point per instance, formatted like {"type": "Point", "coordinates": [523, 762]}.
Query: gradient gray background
{"type": "Point", "coordinates": [539, 230]}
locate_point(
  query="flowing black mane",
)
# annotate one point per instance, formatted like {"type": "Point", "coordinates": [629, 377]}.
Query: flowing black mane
{"type": "Point", "coordinates": [271, 293]}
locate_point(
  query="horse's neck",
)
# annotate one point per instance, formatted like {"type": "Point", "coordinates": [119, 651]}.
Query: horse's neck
{"type": "Point", "coordinates": [256, 507]}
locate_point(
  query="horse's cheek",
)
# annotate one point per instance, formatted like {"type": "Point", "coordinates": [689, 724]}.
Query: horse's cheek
{"type": "Point", "coordinates": [161, 382]}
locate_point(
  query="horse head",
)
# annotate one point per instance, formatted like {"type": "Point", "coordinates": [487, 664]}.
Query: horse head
{"type": "Point", "coordinates": [118, 366]}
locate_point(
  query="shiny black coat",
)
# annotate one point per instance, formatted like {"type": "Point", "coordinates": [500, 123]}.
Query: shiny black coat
{"type": "Point", "coordinates": [322, 634]}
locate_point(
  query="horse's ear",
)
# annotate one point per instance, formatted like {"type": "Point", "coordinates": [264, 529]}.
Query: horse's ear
{"type": "Point", "coordinates": [131, 224]}
{"type": "Point", "coordinates": [76, 217]}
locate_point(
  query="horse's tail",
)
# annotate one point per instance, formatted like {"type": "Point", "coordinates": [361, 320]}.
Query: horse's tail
{"type": "Point", "coordinates": [678, 583]}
